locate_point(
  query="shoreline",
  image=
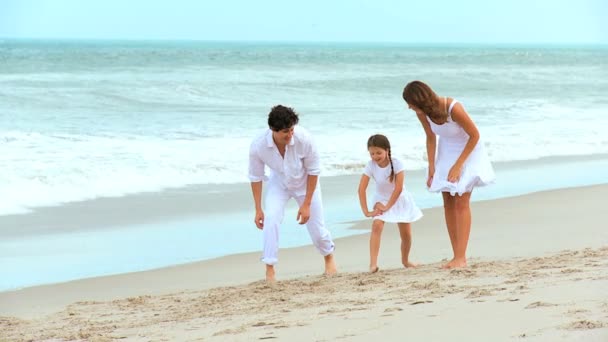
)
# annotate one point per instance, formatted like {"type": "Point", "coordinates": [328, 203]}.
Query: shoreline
{"type": "Point", "coordinates": [197, 201]}
{"type": "Point", "coordinates": [527, 215]}
{"type": "Point", "coordinates": [96, 238]}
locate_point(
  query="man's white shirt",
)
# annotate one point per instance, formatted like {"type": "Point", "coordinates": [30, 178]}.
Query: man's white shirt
{"type": "Point", "coordinates": [301, 159]}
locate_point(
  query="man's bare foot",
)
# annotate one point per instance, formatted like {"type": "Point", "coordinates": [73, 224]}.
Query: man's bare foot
{"type": "Point", "coordinates": [374, 269]}
{"type": "Point", "coordinates": [408, 264]}
{"type": "Point", "coordinates": [270, 274]}
{"type": "Point", "coordinates": [455, 263]}
{"type": "Point", "coordinates": [330, 265]}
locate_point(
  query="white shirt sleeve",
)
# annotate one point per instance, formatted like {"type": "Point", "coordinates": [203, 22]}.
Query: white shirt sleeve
{"type": "Point", "coordinates": [312, 161]}
{"type": "Point", "coordinates": [256, 165]}
{"type": "Point", "coordinates": [398, 165]}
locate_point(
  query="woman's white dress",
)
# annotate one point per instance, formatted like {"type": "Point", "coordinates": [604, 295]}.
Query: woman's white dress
{"type": "Point", "coordinates": [477, 169]}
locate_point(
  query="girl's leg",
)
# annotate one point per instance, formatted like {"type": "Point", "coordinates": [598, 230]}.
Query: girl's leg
{"type": "Point", "coordinates": [374, 244]}
{"type": "Point", "coordinates": [463, 224]}
{"type": "Point", "coordinates": [449, 209]}
{"type": "Point", "coordinates": [405, 230]}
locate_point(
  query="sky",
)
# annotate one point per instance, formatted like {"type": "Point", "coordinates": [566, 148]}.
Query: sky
{"type": "Point", "coordinates": [408, 21]}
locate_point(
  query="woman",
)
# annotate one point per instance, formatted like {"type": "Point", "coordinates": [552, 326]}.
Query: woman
{"type": "Point", "coordinates": [457, 164]}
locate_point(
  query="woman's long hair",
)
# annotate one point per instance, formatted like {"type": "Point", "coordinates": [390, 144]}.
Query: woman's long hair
{"type": "Point", "coordinates": [420, 95]}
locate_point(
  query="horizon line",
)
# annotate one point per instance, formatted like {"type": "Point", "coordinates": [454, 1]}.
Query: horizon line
{"type": "Point", "coordinates": [418, 43]}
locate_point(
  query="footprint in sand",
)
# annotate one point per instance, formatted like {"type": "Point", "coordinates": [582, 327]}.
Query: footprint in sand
{"type": "Point", "coordinates": [584, 325]}
{"type": "Point", "coordinates": [538, 305]}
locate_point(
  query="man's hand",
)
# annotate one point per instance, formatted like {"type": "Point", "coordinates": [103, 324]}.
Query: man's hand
{"type": "Point", "coordinates": [303, 214]}
{"type": "Point", "coordinates": [259, 219]}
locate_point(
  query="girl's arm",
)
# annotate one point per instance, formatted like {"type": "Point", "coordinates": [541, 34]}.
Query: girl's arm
{"type": "Point", "coordinates": [399, 177]}
{"type": "Point", "coordinates": [431, 144]}
{"type": "Point", "coordinates": [363, 196]}
{"type": "Point", "coordinates": [460, 116]}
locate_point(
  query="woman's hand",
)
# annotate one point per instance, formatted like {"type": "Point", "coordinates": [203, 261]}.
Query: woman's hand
{"type": "Point", "coordinates": [429, 180]}
{"type": "Point", "coordinates": [454, 174]}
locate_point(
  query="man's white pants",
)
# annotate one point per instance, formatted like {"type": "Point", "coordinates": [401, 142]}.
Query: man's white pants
{"type": "Point", "coordinates": [274, 211]}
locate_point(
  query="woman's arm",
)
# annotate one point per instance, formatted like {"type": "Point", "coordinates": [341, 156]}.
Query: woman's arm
{"type": "Point", "coordinates": [431, 145]}
{"type": "Point", "coordinates": [461, 117]}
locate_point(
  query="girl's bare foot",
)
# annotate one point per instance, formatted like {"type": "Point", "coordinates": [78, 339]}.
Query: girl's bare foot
{"type": "Point", "coordinates": [455, 263]}
{"type": "Point", "coordinates": [374, 269]}
{"type": "Point", "coordinates": [330, 265]}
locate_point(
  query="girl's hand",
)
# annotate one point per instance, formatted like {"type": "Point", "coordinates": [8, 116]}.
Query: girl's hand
{"type": "Point", "coordinates": [454, 174]}
{"type": "Point", "coordinates": [380, 207]}
{"type": "Point", "coordinates": [373, 213]}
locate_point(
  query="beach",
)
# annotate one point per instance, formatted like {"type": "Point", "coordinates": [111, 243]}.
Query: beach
{"type": "Point", "coordinates": [126, 211]}
{"type": "Point", "coordinates": [538, 271]}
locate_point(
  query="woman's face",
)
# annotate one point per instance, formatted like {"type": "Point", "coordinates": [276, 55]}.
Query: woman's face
{"type": "Point", "coordinates": [415, 109]}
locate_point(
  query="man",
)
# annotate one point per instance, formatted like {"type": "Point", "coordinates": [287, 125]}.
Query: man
{"type": "Point", "coordinates": [292, 157]}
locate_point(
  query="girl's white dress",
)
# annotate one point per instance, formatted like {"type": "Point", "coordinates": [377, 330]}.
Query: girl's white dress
{"type": "Point", "coordinates": [405, 209]}
{"type": "Point", "coordinates": [477, 169]}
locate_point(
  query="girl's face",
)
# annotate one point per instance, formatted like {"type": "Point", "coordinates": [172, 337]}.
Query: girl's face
{"type": "Point", "coordinates": [378, 155]}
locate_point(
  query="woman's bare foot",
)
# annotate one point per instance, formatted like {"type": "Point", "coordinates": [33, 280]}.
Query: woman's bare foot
{"type": "Point", "coordinates": [455, 263]}
{"type": "Point", "coordinates": [374, 269]}
{"type": "Point", "coordinates": [270, 274]}
{"type": "Point", "coordinates": [330, 265]}
{"type": "Point", "coordinates": [408, 264]}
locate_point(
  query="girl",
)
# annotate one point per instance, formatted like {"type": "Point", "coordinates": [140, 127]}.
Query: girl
{"type": "Point", "coordinates": [459, 165]}
{"type": "Point", "coordinates": [392, 202]}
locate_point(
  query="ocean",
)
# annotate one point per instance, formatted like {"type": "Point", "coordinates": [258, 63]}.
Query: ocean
{"type": "Point", "coordinates": [83, 120]}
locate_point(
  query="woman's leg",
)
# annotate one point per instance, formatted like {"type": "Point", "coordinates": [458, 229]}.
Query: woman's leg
{"type": "Point", "coordinates": [463, 230]}
{"type": "Point", "coordinates": [449, 209]}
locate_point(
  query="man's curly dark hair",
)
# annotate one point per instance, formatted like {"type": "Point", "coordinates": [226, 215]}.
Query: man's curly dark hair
{"type": "Point", "coordinates": [281, 117]}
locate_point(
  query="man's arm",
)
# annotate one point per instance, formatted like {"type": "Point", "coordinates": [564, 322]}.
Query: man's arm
{"type": "Point", "coordinates": [256, 189]}
{"type": "Point", "coordinates": [313, 169]}
{"type": "Point", "coordinates": [256, 175]}
{"type": "Point", "coordinates": [304, 212]}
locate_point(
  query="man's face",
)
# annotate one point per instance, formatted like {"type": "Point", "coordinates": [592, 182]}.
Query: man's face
{"type": "Point", "coordinates": [283, 136]}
